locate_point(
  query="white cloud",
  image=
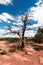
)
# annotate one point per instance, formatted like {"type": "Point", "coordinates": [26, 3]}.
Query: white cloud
{"type": "Point", "coordinates": [18, 20]}
{"type": "Point", "coordinates": [39, 2]}
{"type": "Point", "coordinates": [2, 31]}
{"type": "Point", "coordinates": [37, 13]}
{"type": "Point", "coordinates": [8, 21]}
{"type": "Point", "coordinates": [30, 33]}
{"type": "Point", "coordinates": [6, 17]}
{"type": "Point", "coordinates": [18, 23]}
{"type": "Point", "coordinates": [5, 2]}
{"type": "Point", "coordinates": [15, 28]}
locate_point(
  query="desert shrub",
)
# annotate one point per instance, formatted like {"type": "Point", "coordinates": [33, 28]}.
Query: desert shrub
{"type": "Point", "coordinates": [1, 39]}
{"type": "Point", "coordinates": [39, 38]}
{"type": "Point", "coordinates": [10, 39]}
{"type": "Point", "coordinates": [31, 42]}
{"type": "Point", "coordinates": [3, 51]}
{"type": "Point", "coordinates": [12, 49]}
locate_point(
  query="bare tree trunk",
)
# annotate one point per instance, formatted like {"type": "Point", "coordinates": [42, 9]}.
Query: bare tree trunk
{"type": "Point", "coordinates": [22, 41]}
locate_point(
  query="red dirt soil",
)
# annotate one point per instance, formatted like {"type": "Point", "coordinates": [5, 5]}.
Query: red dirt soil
{"type": "Point", "coordinates": [32, 57]}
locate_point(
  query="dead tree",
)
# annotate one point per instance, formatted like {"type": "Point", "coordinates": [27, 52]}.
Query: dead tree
{"type": "Point", "coordinates": [23, 28]}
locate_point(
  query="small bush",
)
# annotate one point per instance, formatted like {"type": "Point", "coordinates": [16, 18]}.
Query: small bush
{"type": "Point", "coordinates": [39, 38]}
{"type": "Point", "coordinates": [12, 49]}
{"type": "Point", "coordinates": [32, 42]}
{"type": "Point", "coordinates": [3, 51]}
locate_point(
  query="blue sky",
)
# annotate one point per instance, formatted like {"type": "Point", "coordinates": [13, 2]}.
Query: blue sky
{"type": "Point", "coordinates": [10, 10]}
{"type": "Point", "coordinates": [17, 7]}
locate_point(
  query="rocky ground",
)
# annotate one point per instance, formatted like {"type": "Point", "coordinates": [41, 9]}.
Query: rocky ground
{"type": "Point", "coordinates": [32, 55]}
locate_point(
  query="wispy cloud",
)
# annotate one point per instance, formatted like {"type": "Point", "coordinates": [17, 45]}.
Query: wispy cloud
{"type": "Point", "coordinates": [5, 2]}
{"type": "Point", "coordinates": [37, 13]}
{"type": "Point", "coordinates": [39, 2]}
{"type": "Point", "coordinates": [30, 33]}
{"type": "Point", "coordinates": [18, 20]}
{"type": "Point", "coordinates": [2, 31]}
{"type": "Point", "coordinates": [6, 17]}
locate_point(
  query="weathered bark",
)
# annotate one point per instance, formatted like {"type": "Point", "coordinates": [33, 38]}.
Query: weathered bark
{"type": "Point", "coordinates": [23, 32]}
{"type": "Point", "coordinates": [22, 44]}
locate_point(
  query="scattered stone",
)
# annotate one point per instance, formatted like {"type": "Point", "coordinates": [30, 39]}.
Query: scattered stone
{"type": "Point", "coordinates": [30, 51]}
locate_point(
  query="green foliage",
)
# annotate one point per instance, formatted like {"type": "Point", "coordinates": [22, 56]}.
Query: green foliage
{"type": "Point", "coordinates": [40, 30]}
{"type": "Point", "coordinates": [39, 36]}
{"type": "Point", "coordinates": [3, 51]}
{"type": "Point", "coordinates": [31, 42]}
{"type": "Point", "coordinates": [10, 39]}
{"type": "Point", "coordinates": [12, 49]}
{"type": "Point", "coordinates": [1, 39]}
